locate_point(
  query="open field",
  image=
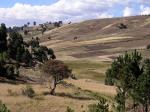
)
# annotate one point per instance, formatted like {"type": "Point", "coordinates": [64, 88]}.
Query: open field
{"type": "Point", "coordinates": [88, 70]}
{"type": "Point", "coordinates": [42, 102]}
{"type": "Point", "coordinates": [77, 94]}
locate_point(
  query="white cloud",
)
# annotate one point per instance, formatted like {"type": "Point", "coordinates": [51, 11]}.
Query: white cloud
{"type": "Point", "coordinates": [66, 10]}
{"type": "Point", "coordinates": [104, 15]}
{"type": "Point", "coordinates": [71, 10]}
{"type": "Point", "coordinates": [128, 11]}
{"type": "Point", "coordinates": [144, 10]}
{"type": "Point", "coordinates": [144, 1]}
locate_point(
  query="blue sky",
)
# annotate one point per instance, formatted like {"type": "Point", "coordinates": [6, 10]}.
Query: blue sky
{"type": "Point", "coordinates": [19, 12]}
{"type": "Point", "coordinates": [10, 3]}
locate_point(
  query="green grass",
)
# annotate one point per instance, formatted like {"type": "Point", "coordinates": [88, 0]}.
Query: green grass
{"type": "Point", "coordinates": [88, 74]}
{"type": "Point", "coordinates": [88, 69]}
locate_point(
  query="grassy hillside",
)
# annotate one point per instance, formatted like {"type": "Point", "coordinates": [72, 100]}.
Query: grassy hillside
{"type": "Point", "coordinates": [98, 43]}
{"type": "Point", "coordinates": [99, 39]}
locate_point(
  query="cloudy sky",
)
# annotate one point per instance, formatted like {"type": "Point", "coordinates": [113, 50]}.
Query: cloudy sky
{"type": "Point", "coordinates": [18, 12]}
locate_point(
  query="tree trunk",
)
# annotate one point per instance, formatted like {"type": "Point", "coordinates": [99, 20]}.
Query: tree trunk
{"type": "Point", "coordinates": [146, 107]}
{"type": "Point", "coordinates": [53, 87]}
{"type": "Point", "coordinates": [143, 109]}
{"type": "Point", "coordinates": [134, 105]}
{"type": "Point", "coordinates": [124, 101]}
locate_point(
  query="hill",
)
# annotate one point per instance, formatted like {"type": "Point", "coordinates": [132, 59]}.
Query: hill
{"type": "Point", "coordinates": [87, 48]}
{"type": "Point", "coordinates": [99, 39]}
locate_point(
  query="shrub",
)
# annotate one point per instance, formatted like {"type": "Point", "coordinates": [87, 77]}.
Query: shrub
{"type": "Point", "coordinates": [7, 70]}
{"type": "Point", "coordinates": [10, 72]}
{"type": "Point", "coordinates": [3, 56]}
{"type": "Point", "coordinates": [3, 107]}
{"type": "Point", "coordinates": [109, 80]}
{"type": "Point", "coordinates": [102, 106]}
{"type": "Point", "coordinates": [148, 47]}
{"type": "Point", "coordinates": [122, 26]}
{"type": "Point", "coordinates": [69, 110]}
{"type": "Point", "coordinates": [25, 32]}
{"type": "Point", "coordinates": [34, 43]}
{"type": "Point", "coordinates": [28, 91]}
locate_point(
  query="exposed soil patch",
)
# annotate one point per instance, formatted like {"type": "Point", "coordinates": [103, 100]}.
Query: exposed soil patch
{"type": "Point", "coordinates": [96, 47]}
{"type": "Point", "coordinates": [91, 54]}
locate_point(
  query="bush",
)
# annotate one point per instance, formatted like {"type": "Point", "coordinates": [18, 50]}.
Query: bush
{"type": "Point", "coordinates": [69, 110]}
{"type": "Point", "coordinates": [25, 32]}
{"type": "Point", "coordinates": [3, 107]}
{"type": "Point", "coordinates": [34, 43]}
{"type": "Point", "coordinates": [122, 26]}
{"type": "Point", "coordinates": [3, 56]}
{"type": "Point", "coordinates": [102, 106]}
{"type": "Point", "coordinates": [7, 70]}
{"type": "Point", "coordinates": [148, 47]}
{"type": "Point", "coordinates": [10, 72]}
{"type": "Point", "coordinates": [28, 91]}
{"type": "Point", "coordinates": [109, 80]}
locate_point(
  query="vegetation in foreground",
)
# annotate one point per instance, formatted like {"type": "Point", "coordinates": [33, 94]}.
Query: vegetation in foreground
{"type": "Point", "coordinates": [3, 107]}
{"type": "Point", "coordinates": [131, 75]}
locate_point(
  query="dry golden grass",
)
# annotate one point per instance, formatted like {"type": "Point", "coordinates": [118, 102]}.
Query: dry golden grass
{"type": "Point", "coordinates": [41, 103]}
{"type": "Point", "coordinates": [87, 84]}
{"type": "Point", "coordinates": [103, 40]}
{"type": "Point", "coordinates": [86, 69]}
{"type": "Point", "coordinates": [104, 33]}
{"type": "Point", "coordinates": [72, 96]}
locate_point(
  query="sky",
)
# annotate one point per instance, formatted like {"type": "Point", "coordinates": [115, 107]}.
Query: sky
{"type": "Point", "coordinates": [19, 12]}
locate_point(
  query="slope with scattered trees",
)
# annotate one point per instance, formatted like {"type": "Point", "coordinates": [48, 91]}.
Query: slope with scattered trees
{"type": "Point", "coordinates": [15, 52]}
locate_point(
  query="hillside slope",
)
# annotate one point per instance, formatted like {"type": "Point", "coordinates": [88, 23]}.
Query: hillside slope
{"type": "Point", "coordinates": [101, 39]}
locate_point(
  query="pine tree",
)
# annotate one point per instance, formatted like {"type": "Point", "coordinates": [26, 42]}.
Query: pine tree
{"type": "Point", "coordinates": [27, 58]}
{"type": "Point", "coordinates": [123, 72]}
{"type": "Point", "coordinates": [141, 93]}
{"type": "Point", "coordinates": [3, 38]}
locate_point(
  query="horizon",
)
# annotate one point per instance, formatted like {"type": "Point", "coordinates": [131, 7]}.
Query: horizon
{"type": "Point", "coordinates": [19, 12]}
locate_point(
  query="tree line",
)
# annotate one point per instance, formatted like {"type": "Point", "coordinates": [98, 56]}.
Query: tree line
{"type": "Point", "coordinates": [15, 52]}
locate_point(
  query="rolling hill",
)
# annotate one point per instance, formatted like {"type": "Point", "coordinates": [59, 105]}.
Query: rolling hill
{"type": "Point", "coordinates": [99, 39]}
{"type": "Point", "coordinates": [87, 48]}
